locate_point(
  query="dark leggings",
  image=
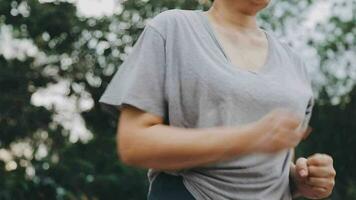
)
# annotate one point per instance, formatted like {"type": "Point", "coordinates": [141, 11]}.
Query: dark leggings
{"type": "Point", "coordinates": [169, 187]}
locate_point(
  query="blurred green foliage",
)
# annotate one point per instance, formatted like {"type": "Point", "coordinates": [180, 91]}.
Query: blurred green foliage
{"type": "Point", "coordinates": [94, 48]}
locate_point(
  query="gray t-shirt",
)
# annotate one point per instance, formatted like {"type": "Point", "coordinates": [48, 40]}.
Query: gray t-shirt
{"type": "Point", "coordinates": [178, 70]}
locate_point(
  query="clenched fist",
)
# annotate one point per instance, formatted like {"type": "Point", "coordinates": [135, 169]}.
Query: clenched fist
{"type": "Point", "coordinates": [278, 130]}
{"type": "Point", "coordinates": [313, 177]}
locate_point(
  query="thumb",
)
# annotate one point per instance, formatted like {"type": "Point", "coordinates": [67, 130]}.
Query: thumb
{"type": "Point", "coordinates": [301, 167]}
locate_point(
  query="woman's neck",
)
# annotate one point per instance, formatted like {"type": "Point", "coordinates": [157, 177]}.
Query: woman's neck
{"type": "Point", "coordinates": [233, 18]}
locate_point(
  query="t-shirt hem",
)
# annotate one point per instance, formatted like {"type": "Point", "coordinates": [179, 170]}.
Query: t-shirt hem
{"type": "Point", "coordinates": [196, 195]}
{"type": "Point", "coordinates": [106, 101]}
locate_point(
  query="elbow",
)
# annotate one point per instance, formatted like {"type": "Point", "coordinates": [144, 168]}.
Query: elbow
{"type": "Point", "coordinates": [127, 157]}
{"type": "Point", "coordinates": [127, 151]}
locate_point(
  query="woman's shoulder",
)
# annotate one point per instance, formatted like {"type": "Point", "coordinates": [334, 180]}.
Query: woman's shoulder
{"type": "Point", "coordinates": [169, 20]}
{"type": "Point", "coordinates": [170, 15]}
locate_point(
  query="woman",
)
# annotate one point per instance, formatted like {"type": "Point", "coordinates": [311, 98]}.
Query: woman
{"type": "Point", "coordinates": [214, 106]}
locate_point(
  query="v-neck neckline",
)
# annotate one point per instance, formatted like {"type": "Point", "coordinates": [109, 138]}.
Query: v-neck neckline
{"type": "Point", "coordinates": [232, 66]}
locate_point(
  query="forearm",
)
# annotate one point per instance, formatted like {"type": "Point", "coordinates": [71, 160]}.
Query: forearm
{"type": "Point", "coordinates": [174, 148]}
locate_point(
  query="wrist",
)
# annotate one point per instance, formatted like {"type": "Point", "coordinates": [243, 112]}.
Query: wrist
{"type": "Point", "coordinates": [255, 143]}
{"type": "Point", "coordinates": [247, 135]}
{"type": "Point", "coordinates": [293, 184]}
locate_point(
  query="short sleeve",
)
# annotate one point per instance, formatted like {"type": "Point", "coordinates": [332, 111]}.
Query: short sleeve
{"type": "Point", "coordinates": [140, 79]}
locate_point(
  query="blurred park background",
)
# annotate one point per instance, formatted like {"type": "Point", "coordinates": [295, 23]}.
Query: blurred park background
{"type": "Point", "coordinates": [57, 57]}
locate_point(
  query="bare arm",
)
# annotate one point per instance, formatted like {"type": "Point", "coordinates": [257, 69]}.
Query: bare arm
{"type": "Point", "coordinates": [144, 141]}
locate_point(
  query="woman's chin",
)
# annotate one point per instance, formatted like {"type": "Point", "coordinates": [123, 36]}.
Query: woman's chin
{"type": "Point", "coordinates": [256, 6]}
{"type": "Point", "coordinates": [260, 2]}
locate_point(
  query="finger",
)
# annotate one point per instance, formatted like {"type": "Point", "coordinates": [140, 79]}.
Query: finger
{"type": "Point", "coordinates": [319, 159]}
{"type": "Point", "coordinates": [288, 118]}
{"type": "Point", "coordinates": [319, 192]}
{"type": "Point", "coordinates": [292, 121]}
{"type": "Point", "coordinates": [299, 134]}
{"type": "Point", "coordinates": [301, 167]}
{"type": "Point", "coordinates": [326, 183]}
{"type": "Point", "coordinates": [292, 135]}
{"type": "Point", "coordinates": [289, 138]}
{"type": "Point", "coordinates": [321, 171]}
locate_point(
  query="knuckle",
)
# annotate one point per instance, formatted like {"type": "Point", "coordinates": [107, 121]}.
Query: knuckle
{"type": "Point", "coordinates": [294, 122]}
{"type": "Point", "coordinates": [313, 160]}
{"type": "Point", "coordinates": [330, 159]}
{"type": "Point", "coordinates": [327, 157]}
{"type": "Point", "coordinates": [299, 134]}
{"type": "Point", "coordinates": [311, 169]}
{"type": "Point", "coordinates": [328, 192]}
{"type": "Point", "coordinates": [314, 156]}
{"type": "Point", "coordinates": [332, 183]}
{"type": "Point", "coordinates": [318, 155]}
{"type": "Point", "coordinates": [333, 172]}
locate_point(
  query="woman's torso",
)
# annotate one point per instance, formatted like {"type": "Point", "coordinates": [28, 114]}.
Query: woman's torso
{"type": "Point", "coordinates": [204, 90]}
